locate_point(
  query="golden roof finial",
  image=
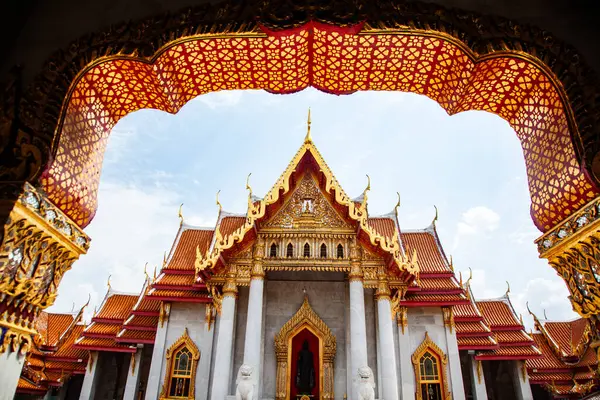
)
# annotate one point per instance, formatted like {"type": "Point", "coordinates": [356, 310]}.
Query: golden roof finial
{"type": "Point", "coordinates": [460, 280]}
{"type": "Point", "coordinates": [507, 289]}
{"type": "Point", "coordinates": [108, 282]}
{"type": "Point", "coordinates": [180, 215]}
{"type": "Point", "coordinates": [146, 271]}
{"type": "Point", "coordinates": [521, 319]}
{"type": "Point", "coordinates": [468, 282]}
{"type": "Point", "coordinates": [164, 264]}
{"type": "Point", "coordinates": [397, 206]}
{"type": "Point", "coordinates": [154, 275]}
{"type": "Point", "coordinates": [451, 264]}
{"type": "Point", "coordinates": [87, 303]}
{"type": "Point", "coordinates": [308, 138]}
{"type": "Point", "coordinates": [248, 187]}
{"type": "Point", "coordinates": [436, 215]}
{"type": "Point", "coordinates": [545, 316]}
{"type": "Point", "coordinates": [218, 202]}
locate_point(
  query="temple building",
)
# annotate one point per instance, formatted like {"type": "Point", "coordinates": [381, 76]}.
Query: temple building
{"type": "Point", "coordinates": [307, 296]}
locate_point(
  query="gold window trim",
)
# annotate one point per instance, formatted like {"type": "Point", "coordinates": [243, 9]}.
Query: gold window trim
{"type": "Point", "coordinates": [184, 341]}
{"type": "Point", "coordinates": [305, 318]}
{"type": "Point", "coordinates": [429, 345]}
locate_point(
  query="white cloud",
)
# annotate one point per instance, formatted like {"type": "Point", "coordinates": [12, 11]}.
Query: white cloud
{"type": "Point", "coordinates": [544, 294]}
{"type": "Point", "coordinates": [133, 226]}
{"type": "Point", "coordinates": [478, 219]}
{"type": "Point", "coordinates": [227, 98]}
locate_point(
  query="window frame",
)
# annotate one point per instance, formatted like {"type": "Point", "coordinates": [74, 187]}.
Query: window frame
{"type": "Point", "coordinates": [183, 343]}
{"type": "Point", "coordinates": [428, 346]}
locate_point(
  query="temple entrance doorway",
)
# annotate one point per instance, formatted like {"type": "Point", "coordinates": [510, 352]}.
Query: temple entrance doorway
{"type": "Point", "coordinates": [305, 349]}
{"type": "Point", "coordinates": [305, 374]}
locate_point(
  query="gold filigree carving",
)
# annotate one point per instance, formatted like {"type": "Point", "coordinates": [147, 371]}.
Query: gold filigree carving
{"type": "Point", "coordinates": [209, 315]}
{"type": "Point", "coordinates": [185, 341]}
{"type": "Point", "coordinates": [307, 207]}
{"type": "Point", "coordinates": [133, 363]}
{"type": "Point", "coordinates": [39, 245]}
{"type": "Point", "coordinates": [402, 318]}
{"type": "Point", "coordinates": [305, 318]}
{"type": "Point", "coordinates": [448, 318]}
{"type": "Point", "coordinates": [429, 346]}
{"type": "Point", "coordinates": [163, 313]}
{"type": "Point", "coordinates": [479, 371]}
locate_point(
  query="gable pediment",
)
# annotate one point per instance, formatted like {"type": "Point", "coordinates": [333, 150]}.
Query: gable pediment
{"type": "Point", "coordinates": [307, 207]}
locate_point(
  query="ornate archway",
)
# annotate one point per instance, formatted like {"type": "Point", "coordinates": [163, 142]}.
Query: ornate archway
{"type": "Point", "coordinates": [305, 318]}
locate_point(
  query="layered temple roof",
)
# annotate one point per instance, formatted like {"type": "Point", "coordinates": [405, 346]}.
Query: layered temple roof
{"type": "Point", "coordinates": [53, 359]}
{"type": "Point", "coordinates": [568, 368]}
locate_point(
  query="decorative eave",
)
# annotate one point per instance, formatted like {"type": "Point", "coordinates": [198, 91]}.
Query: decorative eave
{"type": "Point", "coordinates": [257, 210]}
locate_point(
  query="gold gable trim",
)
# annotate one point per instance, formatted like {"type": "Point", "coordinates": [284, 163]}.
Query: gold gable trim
{"type": "Point", "coordinates": [257, 209]}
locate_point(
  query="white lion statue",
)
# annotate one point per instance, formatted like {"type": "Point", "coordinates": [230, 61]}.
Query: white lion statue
{"type": "Point", "coordinates": [365, 384]}
{"type": "Point", "coordinates": [245, 383]}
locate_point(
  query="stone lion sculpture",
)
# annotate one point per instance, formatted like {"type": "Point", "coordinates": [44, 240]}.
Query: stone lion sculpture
{"type": "Point", "coordinates": [245, 383]}
{"type": "Point", "coordinates": [365, 384]}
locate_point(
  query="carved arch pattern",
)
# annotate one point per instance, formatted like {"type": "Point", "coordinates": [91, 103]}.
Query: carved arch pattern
{"type": "Point", "coordinates": [462, 60]}
{"type": "Point", "coordinates": [184, 341]}
{"type": "Point", "coordinates": [429, 345]}
{"type": "Point", "coordinates": [305, 317]}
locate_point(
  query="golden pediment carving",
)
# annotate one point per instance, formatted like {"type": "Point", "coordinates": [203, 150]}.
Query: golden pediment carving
{"type": "Point", "coordinates": [307, 207]}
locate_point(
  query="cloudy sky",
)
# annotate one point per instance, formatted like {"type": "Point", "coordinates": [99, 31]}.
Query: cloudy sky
{"type": "Point", "coordinates": [469, 165]}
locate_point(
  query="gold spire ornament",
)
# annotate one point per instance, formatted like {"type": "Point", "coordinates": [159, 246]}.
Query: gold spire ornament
{"type": "Point", "coordinates": [507, 289]}
{"type": "Point", "coordinates": [180, 215]}
{"type": "Point", "coordinates": [218, 202]}
{"type": "Point", "coordinates": [468, 282]}
{"type": "Point", "coordinates": [146, 271]}
{"type": "Point", "coordinates": [436, 215]}
{"type": "Point", "coordinates": [451, 264]}
{"type": "Point", "coordinates": [397, 206]}
{"type": "Point", "coordinates": [248, 187]}
{"type": "Point", "coordinates": [308, 138]}
{"type": "Point", "coordinates": [545, 316]}
{"type": "Point", "coordinates": [108, 283]}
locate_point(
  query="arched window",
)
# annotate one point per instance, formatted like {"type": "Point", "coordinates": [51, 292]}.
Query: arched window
{"type": "Point", "coordinates": [290, 251]}
{"type": "Point", "coordinates": [306, 250]}
{"type": "Point", "coordinates": [430, 371]}
{"type": "Point", "coordinates": [273, 251]}
{"type": "Point", "coordinates": [182, 361]}
{"type": "Point", "coordinates": [340, 251]}
{"type": "Point", "coordinates": [323, 251]}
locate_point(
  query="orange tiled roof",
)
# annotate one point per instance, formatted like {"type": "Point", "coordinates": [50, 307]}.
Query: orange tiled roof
{"type": "Point", "coordinates": [467, 311]}
{"type": "Point", "coordinates": [230, 224]}
{"type": "Point", "coordinates": [147, 305]}
{"type": "Point", "coordinates": [434, 298]}
{"type": "Point", "coordinates": [568, 335]}
{"type": "Point", "coordinates": [383, 226]}
{"type": "Point", "coordinates": [175, 280]}
{"type": "Point", "coordinates": [161, 293]}
{"type": "Point", "coordinates": [472, 327]}
{"type": "Point", "coordinates": [497, 313]}
{"type": "Point", "coordinates": [99, 328]}
{"type": "Point", "coordinates": [431, 260]}
{"type": "Point", "coordinates": [512, 352]}
{"type": "Point", "coordinates": [34, 361]}
{"type": "Point", "coordinates": [67, 350]}
{"type": "Point", "coordinates": [105, 344]}
{"type": "Point", "coordinates": [51, 326]}
{"type": "Point", "coordinates": [184, 255]}
{"type": "Point", "coordinates": [549, 376]}
{"type": "Point", "coordinates": [439, 284]}
{"type": "Point", "coordinates": [133, 336]}
{"type": "Point", "coordinates": [26, 386]}
{"type": "Point", "coordinates": [549, 359]}
{"type": "Point", "coordinates": [138, 320]}
{"type": "Point", "coordinates": [507, 337]}
{"type": "Point", "coordinates": [64, 365]}
{"type": "Point", "coordinates": [466, 342]}
{"type": "Point", "coordinates": [117, 306]}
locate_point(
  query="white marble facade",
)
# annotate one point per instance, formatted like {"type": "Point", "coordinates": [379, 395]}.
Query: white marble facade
{"type": "Point", "coordinates": [329, 296]}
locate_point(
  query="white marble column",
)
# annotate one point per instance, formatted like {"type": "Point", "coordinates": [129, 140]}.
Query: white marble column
{"type": "Point", "coordinates": [389, 373]}
{"type": "Point", "coordinates": [454, 369]}
{"type": "Point", "coordinates": [90, 380]}
{"type": "Point", "coordinates": [477, 379]}
{"type": "Point", "coordinates": [11, 364]}
{"type": "Point", "coordinates": [133, 375]}
{"type": "Point", "coordinates": [407, 372]}
{"type": "Point", "coordinates": [155, 375]}
{"type": "Point", "coordinates": [521, 380]}
{"type": "Point", "coordinates": [252, 342]}
{"type": "Point", "coordinates": [358, 326]}
{"type": "Point", "coordinates": [222, 367]}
